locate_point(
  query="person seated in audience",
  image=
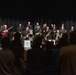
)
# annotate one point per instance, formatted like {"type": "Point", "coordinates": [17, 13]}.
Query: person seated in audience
{"type": "Point", "coordinates": [7, 59]}
{"type": "Point", "coordinates": [49, 46]}
{"type": "Point", "coordinates": [54, 52]}
{"type": "Point", "coordinates": [18, 49]}
{"type": "Point", "coordinates": [65, 35]}
{"type": "Point", "coordinates": [62, 42]}
{"type": "Point", "coordinates": [67, 57]}
{"type": "Point", "coordinates": [36, 55]}
{"type": "Point", "coordinates": [56, 49]}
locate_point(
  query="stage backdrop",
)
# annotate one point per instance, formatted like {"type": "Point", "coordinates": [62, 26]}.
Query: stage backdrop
{"type": "Point", "coordinates": [14, 22]}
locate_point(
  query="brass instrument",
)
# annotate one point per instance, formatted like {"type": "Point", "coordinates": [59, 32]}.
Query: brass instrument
{"type": "Point", "coordinates": [47, 34]}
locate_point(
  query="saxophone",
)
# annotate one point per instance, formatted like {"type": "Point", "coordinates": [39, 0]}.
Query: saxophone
{"type": "Point", "coordinates": [47, 35]}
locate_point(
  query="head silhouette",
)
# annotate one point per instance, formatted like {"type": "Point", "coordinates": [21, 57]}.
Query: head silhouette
{"type": "Point", "coordinates": [5, 42]}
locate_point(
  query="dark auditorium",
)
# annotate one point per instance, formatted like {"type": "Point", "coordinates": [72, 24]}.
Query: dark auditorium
{"type": "Point", "coordinates": [37, 37]}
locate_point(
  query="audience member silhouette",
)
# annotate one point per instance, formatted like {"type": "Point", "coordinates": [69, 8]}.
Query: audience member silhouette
{"type": "Point", "coordinates": [67, 57]}
{"type": "Point", "coordinates": [49, 46]}
{"type": "Point", "coordinates": [36, 55]}
{"type": "Point", "coordinates": [18, 49]}
{"type": "Point", "coordinates": [7, 59]}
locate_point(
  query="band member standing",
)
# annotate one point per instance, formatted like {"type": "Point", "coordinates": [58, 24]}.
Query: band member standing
{"type": "Point", "coordinates": [31, 36]}
{"type": "Point", "coordinates": [36, 25]}
{"type": "Point", "coordinates": [37, 31]}
{"type": "Point", "coordinates": [4, 31]}
{"type": "Point", "coordinates": [1, 28]}
{"type": "Point", "coordinates": [29, 25]}
{"type": "Point", "coordinates": [51, 26]}
{"type": "Point", "coordinates": [62, 30]}
{"type": "Point", "coordinates": [20, 28]}
{"type": "Point", "coordinates": [47, 29]}
{"type": "Point", "coordinates": [26, 33]}
{"type": "Point", "coordinates": [54, 31]}
{"type": "Point", "coordinates": [47, 33]}
{"type": "Point", "coordinates": [72, 28]}
{"type": "Point", "coordinates": [44, 30]}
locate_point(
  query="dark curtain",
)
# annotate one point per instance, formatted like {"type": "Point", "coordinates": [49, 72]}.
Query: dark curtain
{"type": "Point", "coordinates": [14, 22]}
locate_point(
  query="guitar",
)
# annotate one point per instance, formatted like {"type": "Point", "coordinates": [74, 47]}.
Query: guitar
{"type": "Point", "coordinates": [38, 33]}
{"type": "Point", "coordinates": [4, 32]}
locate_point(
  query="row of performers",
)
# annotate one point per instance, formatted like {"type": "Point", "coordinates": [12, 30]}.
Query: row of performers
{"type": "Point", "coordinates": [28, 32]}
